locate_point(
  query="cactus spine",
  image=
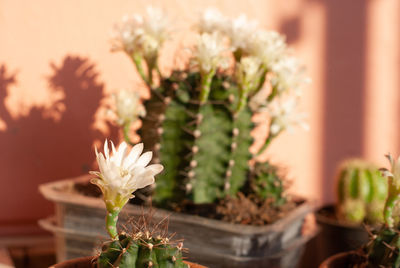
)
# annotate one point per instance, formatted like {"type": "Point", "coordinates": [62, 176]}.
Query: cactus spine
{"type": "Point", "coordinates": [361, 192]}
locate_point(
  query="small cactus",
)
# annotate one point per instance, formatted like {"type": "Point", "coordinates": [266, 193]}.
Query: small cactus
{"type": "Point", "coordinates": [383, 250]}
{"type": "Point", "coordinates": [141, 250]}
{"type": "Point", "coordinates": [361, 192]}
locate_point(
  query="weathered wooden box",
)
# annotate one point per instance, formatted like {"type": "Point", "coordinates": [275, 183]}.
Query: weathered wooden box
{"type": "Point", "coordinates": [79, 226]}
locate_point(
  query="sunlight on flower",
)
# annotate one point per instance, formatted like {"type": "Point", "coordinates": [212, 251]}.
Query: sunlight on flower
{"type": "Point", "coordinates": [394, 170]}
{"type": "Point", "coordinates": [123, 172]}
{"type": "Point", "coordinates": [144, 35]}
{"type": "Point", "coordinates": [284, 115]}
{"type": "Point", "coordinates": [240, 31]}
{"type": "Point", "coordinates": [248, 72]}
{"type": "Point", "coordinates": [289, 74]}
{"type": "Point", "coordinates": [208, 54]}
{"type": "Point", "coordinates": [268, 46]}
{"type": "Point", "coordinates": [211, 20]}
{"type": "Point", "coordinates": [128, 106]}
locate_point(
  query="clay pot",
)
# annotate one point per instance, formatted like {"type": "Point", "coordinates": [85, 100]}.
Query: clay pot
{"type": "Point", "coordinates": [344, 259]}
{"type": "Point", "coordinates": [87, 262]}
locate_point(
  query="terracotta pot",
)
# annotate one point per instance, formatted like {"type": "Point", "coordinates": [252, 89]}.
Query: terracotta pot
{"type": "Point", "coordinates": [86, 262]}
{"type": "Point", "coordinates": [344, 259]}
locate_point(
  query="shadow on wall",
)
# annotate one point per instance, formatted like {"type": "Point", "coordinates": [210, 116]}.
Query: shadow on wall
{"type": "Point", "coordinates": [38, 148]}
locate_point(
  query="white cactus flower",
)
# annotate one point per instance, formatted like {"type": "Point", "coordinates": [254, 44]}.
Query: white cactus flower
{"type": "Point", "coordinates": [248, 72]}
{"type": "Point", "coordinates": [211, 20]}
{"type": "Point", "coordinates": [240, 31]}
{"type": "Point", "coordinates": [284, 115]}
{"type": "Point", "coordinates": [268, 46]}
{"type": "Point", "coordinates": [128, 106]}
{"type": "Point", "coordinates": [208, 54]}
{"type": "Point", "coordinates": [123, 172]}
{"type": "Point", "coordinates": [144, 35]}
{"type": "Point", "coordinates": [289, 75]}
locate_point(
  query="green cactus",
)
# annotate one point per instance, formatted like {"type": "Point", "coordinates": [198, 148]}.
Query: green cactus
{"type": "Point", "coordinates": [203, 147]}
{"type": "Point", "coordinates": [361, 192]}
{"type": "Point", "coordinates": [267, 184]}
{"type": "Point", "coordinates": [198, 120]}
{"type": "Point", "coordinates": [140, 250]}
{"type": "Point", "coordinates": [383, 249]}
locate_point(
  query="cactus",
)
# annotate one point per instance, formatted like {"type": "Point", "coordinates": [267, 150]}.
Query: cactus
{"type": "Point", "coordinates": [121, 173]}
{"type": "Point", "coordinates": [383, 250]}
{"type": "Point", "coordinates": [361, 192]}
{"type": "Point", "coordinates": [198, 120]}
{"type": "Point", "coordinates": [140, 250]}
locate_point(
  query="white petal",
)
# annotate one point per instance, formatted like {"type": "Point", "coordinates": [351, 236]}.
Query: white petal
{"type": "Point", "coordinates": [133, 155]}
{"type": "Point", "coordinates": [106, 152]}
{"type": "Point", "coordinates": [144, 159]}
{"type": "Point", "coordinates": [155, 168]}
{"type": "Point", "coordinates": [120, 154]}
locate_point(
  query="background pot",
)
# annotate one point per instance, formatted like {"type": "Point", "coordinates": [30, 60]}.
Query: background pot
{"type": "Point", "coordinates": [79, 227]}
{"type": "Point", "coordinates": [335, 236]}
{"type": "Point", "coordinates": [344, 259]}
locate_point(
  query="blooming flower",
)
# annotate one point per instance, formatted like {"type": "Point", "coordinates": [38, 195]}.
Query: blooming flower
{"type": "Point", "coordinates": [284, 115]}
{"type": "Point", "coordinates": [240, 31]}
{"type": "Point", "coordinates": [211, 20]}
{"type": "Point", "coordinates": [144, 35]}
{"type": "Point", "coordinates": [122, 172]}
{"type": "Point", "coordinates": [288, 75]}
{"type": "Point", "coordinates": [248, 72]}
{"type": "Point", "coordinates": [208, 55]}
{"type": "Point", "coordinates": [268, 46]}
{"type": "Point", "coordinates": [128, 106]}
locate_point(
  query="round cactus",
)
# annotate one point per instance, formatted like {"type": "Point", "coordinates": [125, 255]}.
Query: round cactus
{"type": "Point", "coordinates": [141, 250]}
{"type": "Point", "coordinates": [361, 191]}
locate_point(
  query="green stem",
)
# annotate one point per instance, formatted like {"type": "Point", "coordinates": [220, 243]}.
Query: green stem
{"type": "Point", "coordinates": [137, 59]}
{"type": "Point", "coordinates": [243, 94]}
{"type": "Point", "coordinates": [388, 212]}
{"type": "Point", "coordinates": [267, 143]}
{"type": "Point", "coordinates": [206, 80]}
{"type": "Point", "coordinates": [126, 130]}
{"type": "Point", "coordinates": [272, 95]}
{"type": "Point", "coordinates": [262, 78]}
{"type": "Point", "coordinates": [111, 223]}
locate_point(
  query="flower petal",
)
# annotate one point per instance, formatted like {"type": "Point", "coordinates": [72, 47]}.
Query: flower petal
{"type": "Point", "coordinates": [144, 159]}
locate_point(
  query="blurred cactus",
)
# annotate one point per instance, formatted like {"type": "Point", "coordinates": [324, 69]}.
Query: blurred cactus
{"type": "Point", "coordinates": [361, 192]}
{"type": "Point", "coordinates": [383, 250]}
{"type": "Point", "coordinates": [198, 120]}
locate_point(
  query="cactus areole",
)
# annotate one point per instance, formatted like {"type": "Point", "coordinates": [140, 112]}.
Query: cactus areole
{"type": "Point", "coordinates": [198, 120]}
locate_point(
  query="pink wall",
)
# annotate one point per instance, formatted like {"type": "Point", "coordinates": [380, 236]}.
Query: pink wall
{"type": "Point", "coordinates": [56, 70]}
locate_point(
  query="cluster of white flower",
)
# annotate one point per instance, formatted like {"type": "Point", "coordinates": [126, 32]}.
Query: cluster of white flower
{"type": "Point", "coordinates": [284, 115]}
{"type": "Point", "coordinates": [122, 172]}
{"type": "Point", "coordinates": [128, 106]}
{"type": "Point", "coordinates": [142, 34]}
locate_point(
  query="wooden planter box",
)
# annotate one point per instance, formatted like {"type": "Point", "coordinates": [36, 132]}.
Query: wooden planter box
{"type": "Point", "coordinates": [79, 227]}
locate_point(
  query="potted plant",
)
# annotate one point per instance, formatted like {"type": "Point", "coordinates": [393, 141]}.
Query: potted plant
{"type": "Point", "coordinates": [361, 192]}
{"type": "Point", "coordinates": [383, 248]}
{"type": "Point", "coordinates": [121, 174]}
{"type": "Point", "coordinates": [198, 122]}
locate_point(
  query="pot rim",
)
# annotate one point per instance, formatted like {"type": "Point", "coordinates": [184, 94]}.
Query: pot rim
{"type": "Point", "coordinates": [62, 192]}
